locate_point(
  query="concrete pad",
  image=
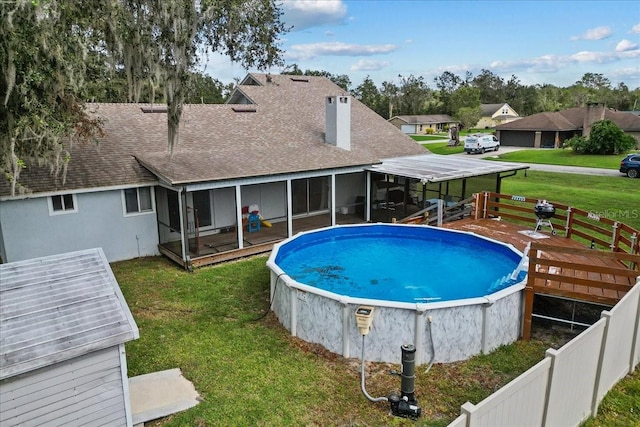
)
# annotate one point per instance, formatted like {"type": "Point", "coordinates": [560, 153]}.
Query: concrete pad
{"type": "Point", "coordinates": [159, 394]}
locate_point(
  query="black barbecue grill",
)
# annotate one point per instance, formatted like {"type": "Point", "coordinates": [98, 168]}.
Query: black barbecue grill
{"type": "Point", "coordinates": [544, 212]}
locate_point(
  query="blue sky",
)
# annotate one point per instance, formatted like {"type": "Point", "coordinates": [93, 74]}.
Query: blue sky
{"type": "Point", "coordinates": [540, 42]}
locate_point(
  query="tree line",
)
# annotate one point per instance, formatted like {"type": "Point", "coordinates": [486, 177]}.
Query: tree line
{"type": "Point", "coordinates": [458, 96]}
{"type": "Point", "coordinates": [461, 96]}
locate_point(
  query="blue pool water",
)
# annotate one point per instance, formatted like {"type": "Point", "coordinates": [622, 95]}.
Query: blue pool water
{"type": "Point", "coordinates": [396, 263]}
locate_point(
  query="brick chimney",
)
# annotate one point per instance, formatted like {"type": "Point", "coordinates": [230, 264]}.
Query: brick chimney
{"type": "Point", "coordinates": [338, 121]}
{"type": "Point", "coordinates": [594, 113]}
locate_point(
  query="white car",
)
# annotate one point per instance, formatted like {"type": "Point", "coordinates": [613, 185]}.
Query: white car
{"type": "Point", "coordinates": [479, 143]}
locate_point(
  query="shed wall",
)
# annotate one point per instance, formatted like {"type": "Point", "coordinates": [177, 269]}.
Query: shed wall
{"type": "Point", "coordinates": [98, 222]}
{"type": "Point", "coordinates": [84, 391]}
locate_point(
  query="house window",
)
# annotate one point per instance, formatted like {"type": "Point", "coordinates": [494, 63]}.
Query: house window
{"type": "Point", "coordinates": [138, 200]}
{"type": "Point", "coordinates": [62, 203]}
{"type": "Point", "coordinates": [310, 195]}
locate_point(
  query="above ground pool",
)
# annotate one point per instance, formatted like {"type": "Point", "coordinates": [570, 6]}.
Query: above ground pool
{"type": "Point", "coordinates": [451, 294]}
{"type": "Point", "coordinates": [405, 264]}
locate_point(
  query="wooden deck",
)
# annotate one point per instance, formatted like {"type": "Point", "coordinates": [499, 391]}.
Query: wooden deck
{"type": "Point", "coordinates": [561, 267]}
{"type": "Point", "coordinates": [508, 232]}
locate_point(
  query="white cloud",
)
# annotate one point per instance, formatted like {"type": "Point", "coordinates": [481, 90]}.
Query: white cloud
{"type": "Point", "coordinates": [630, 75]}
{"type": "Point", "coordinates": [313, 50]}
{"type": "Point", "coordinates": [540, 64]}
{"type": "Point", "coordinates": [603, 57]}
{"type": "Point", "coordinates": [597, 33]}
{"type": "Point", "coordinates": [303, 14]}
{"type": "Point", "coordinates": [635, 29]}
{"type": "Point", "coordinates": [626, 45]}
{"type": "Point", "coordinates": [555, 63]}
{"type": "Point", "coordinates": [369, 65]}
{"type": "Point", "coordinates": [456, 69]}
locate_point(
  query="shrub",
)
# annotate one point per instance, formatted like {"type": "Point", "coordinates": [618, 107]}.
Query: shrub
{"type": "Point", "coordinates": [428, 131]}
{"type": "Point", "coordinates": [605, 138]}
{"type": "Point", "coordinates": [578, 144]}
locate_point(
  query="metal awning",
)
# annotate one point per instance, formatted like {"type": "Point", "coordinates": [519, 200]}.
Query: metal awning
{"type": "Point", "coordinates": [439, 168]}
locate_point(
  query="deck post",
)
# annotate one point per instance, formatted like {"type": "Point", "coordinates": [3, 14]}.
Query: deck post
{"type": "Point", "coordinates": [477, 208]}
{"type": "Point", "coordinates": [528, 311]}
{"type": "Point", "coordinates": [528, 297]}
{"type": "Point", "coordinates": [484, 205]}
{"type": "Point", "coordinates": [569, 225]}
{"type": "Point", "coordinates": [615, 238]}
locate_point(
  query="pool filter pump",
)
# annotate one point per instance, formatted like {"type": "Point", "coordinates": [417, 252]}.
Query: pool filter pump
{"type": "Point", "coordinates": [402, 405]}
{"type": "Point", "coordinates": [406, 404]}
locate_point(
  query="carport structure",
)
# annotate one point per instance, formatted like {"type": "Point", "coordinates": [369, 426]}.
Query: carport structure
{"type": "Point", "coordinates": [412, 183]}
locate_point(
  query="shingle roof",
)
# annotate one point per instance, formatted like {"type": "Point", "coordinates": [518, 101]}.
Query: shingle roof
{"type": "Point", "coordinates": [285, 134]}
{"type": "Point", "coordinates": [59, 307]}
{"type": "Point", "coordinates": [489, 109]}
{"type": "Point", "coordinates": [571, 119]}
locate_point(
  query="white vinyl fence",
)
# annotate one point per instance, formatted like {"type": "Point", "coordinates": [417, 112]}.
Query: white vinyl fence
{"type": "Point", "coordinates": [567, 386]}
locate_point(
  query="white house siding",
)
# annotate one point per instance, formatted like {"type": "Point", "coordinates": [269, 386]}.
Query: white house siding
{"type": "Point", "coordinates": [348, 188]}
{"type": "Point", "coordinates": [270, 197]}
{"type": "Point", "coordinates": [84, 391]}
{"type": "Point", "coordinates": [98, 222]}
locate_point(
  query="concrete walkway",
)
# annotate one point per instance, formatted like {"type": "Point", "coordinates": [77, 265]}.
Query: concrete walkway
{"type": "Point", "coordinates": [160, 394]}
{"type": "Point", "coordinates": [574, 169]}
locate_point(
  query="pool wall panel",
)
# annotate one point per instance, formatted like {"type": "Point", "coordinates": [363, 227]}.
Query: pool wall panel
{"type": "Point", "coordinates": [391, 328]}
{"type": "Point", "coordinates": [319, 320]}
{"type": "Point", "coordinates": [282, 299]}
{"type": "Point", "coordinates": [504, 318]}
{"type": "Point", "coordinates": [457, 332]}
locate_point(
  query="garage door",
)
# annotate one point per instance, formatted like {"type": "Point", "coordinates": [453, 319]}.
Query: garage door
{"type": "Point", "coordinates": [408, 129]}
{"type": "Point", "coordinates": [515, 138]}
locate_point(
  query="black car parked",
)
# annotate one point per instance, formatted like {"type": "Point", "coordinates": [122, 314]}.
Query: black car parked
{"type": "Point", "coordinates": [631, 165]}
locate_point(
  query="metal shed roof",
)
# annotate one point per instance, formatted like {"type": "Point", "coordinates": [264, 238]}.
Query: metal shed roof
{"type": "Point", "coordinates": [438, 168]}
{"type": "Point", "coordinates": [59, 307]}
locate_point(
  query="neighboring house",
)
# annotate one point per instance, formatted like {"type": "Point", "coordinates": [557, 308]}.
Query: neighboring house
{"type": "Point", "coordinates": [550, 130]}
{"type": "Point", "coordinates": [63, 325]}
{"type": "Point", "coordinates": [423, 124]}
{"type": "Point", "coordinates": [293, 148]}
{"type": "Point", "coordinates": [494, 115]}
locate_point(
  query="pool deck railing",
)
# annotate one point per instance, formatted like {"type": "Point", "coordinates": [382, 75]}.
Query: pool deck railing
{"type": "Point", "coordinates": [590, 228]}
{"type": "Point", "coordinates": [590, 258]}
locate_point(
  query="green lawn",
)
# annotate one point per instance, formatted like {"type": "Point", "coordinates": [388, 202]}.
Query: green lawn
{"type": "Point", "coordinates": [435, 137]}
{"type": "Point", "coordinates": [252, 372]}
{"type": "Point", "coordinates": [565, 157]}
{"type": "Point", "coordinates": [616, 198]}
{"type": "Point", "coordinates": [443, 148]}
